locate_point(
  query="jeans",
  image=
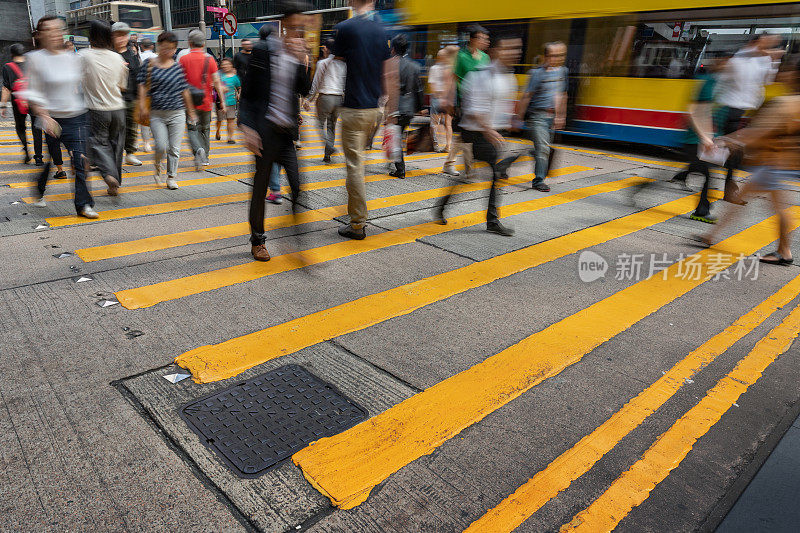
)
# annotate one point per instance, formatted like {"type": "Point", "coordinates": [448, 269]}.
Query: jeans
{"type": "Point", "coordinates": [167, 126]}
{"type": "Point", "coordinates": [74, 132]}
{"type": "Point", "coordinates": [106, 139]}
{"type": "Point", "coordinates": [131, 127]}
{"type": "Point", "coordinates": [327, 114]}
{"type": "Point", "coordinates": [357, 126]}
{"type": "Point", "coordinates": [19, 124]}
{"type": "Point", "coordinates": [540, 126]}
{"type": "Point", "coordinates": [278, 147]}
{"type": "Point", "coordinates": [275, 179]}
{"type": "Point", "coordinates": [482, 150]}
{"type": "Point", "coordinates": [200, 133]}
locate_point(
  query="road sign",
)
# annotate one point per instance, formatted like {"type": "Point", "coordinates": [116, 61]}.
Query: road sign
{"type": "Point", "coordinates": [229, 24]}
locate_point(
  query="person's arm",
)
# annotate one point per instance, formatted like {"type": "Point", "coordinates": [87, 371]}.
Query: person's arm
{"type": "Point", "coordinates": [36, 99]}
{"type": "Point", "coordinates": [220, 89]}
{"type": "Point", "coordinates": [322, 67]}
{"type": "Point", "coordinates": [144, 111]}
{"type": "Point", "coordinates": [190, 110]}
{"type": "Point", "coordinates": [560, 105]}
{"type": "Point", "coordinates": [701, 122]}
{"type": "Point", "coordinates": [419, 91]}
{"type": "Point", "coordinates": [391, 88]}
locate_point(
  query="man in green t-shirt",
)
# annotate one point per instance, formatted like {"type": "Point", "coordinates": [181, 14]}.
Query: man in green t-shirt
{"type": "Point", "coordinates": [468, 59]}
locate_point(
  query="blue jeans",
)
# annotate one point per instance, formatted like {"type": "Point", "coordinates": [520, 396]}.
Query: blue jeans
{"type": "Point", "coordinates": [540, 126]}
{"type": "Point", "coordinates": [275, 179]}
{"type": "Point", "coordinates": [74, 132]}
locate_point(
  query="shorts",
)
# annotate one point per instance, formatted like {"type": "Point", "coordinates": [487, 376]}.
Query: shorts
{"type": "Point", "coordinates": [230, 111]}
{"type": "Point", "coordinates": [772, 179]}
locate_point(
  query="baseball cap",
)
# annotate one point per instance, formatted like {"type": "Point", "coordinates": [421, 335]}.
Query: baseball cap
{"type": "Point", "coordinates": [120, 27]}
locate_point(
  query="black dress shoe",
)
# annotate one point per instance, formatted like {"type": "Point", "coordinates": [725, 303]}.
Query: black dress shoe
{"type": "Point", "coordinates": [498, 228]}
{"type": "Point", "coordinates": [540, 186]}
{"type": "Point", "coordinates": [351, 233]}
{"type": "Point", "coordinates": [38, 161]}
{"type": "Point", "coordinates": [397, 174]}
{"type": "Point", "coordinates": [438, 217]}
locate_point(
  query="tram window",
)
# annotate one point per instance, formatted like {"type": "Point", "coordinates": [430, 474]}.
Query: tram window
{"type": "Point", "coordinates": [136, 17]}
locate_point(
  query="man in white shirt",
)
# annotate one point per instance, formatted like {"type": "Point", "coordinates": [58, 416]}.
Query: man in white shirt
{"type": "Point", "coordinates": [488, 98]}
{"type": "Point", "coordinates": [328, 90]}
{"type": "Point", "coordinates": [741, 89]}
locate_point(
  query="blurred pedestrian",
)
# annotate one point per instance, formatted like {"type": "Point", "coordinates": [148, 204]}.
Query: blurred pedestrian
{"type": "Point", "coordinates": [468, 59]}
{"type": "Point", "coordinates": [277, 76]}
{"type": "Point", "coordinates": [232, 87]}
{"type": "Point", "coordinates": [55, 92]}
{"type": "Point", "coordinates": [201, 72]}
{"type": "Point", "coordinates": [741, 89]}
{"type": "Point", "coordinates": [242, 58]}
{"type": "Point", "coordinates": [543, 105]}
{"type": "Point", "coordinates": [362, 43]}
{"type": "Point", "coordinates": [771, 145]}
{"type": "Point", "coordinates": [105, 76]}
{"type": "Point", "coordinates": [411, 95]}
{"type": "Point", "coordinates": [147, 52]}
{"type": "Point", "coordinates": [162, 83]}
{"type": "Point", "coordinates": [488, 95]}
{"type": "Point", "coordinates": [442, 83]}
{"type": "Point", "coordinates": [15, 81]}
{"type": "Point", "coordinates": [328, 90]}
{"type": "Point", "coordinates": [121, 34]}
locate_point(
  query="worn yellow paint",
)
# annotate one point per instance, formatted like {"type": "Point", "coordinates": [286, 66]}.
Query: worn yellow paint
{"type": "Point", "coordinates": [671, 448]}
{"type": "Point", "coordinates": [575, 462]}
{"type": "Point", "coordinates": [229, 358]}
{"type": "Point", "coordinates": [150, 295]}
{"type": "Point", "coordinates": [162, 242]}
{"type": "Point", "coordinates": [347, 466]}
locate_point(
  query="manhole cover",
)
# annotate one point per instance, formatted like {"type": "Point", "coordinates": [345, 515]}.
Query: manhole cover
{"type": "Point", "coordinates": [259, 422]}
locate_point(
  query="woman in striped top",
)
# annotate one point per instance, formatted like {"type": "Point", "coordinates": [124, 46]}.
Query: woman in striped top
{"type": "Point", "coordinates": [162, 79]}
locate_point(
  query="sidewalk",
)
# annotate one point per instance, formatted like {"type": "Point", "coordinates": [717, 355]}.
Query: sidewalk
{"type": "Point", "coordinates": [770, 501]}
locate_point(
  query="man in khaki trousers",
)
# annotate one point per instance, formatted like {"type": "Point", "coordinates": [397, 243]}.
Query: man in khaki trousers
{"type": "Point", "coordinates": [363, 44]}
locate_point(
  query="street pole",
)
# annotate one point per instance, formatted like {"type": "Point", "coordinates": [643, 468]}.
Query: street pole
{"type": "Point", "coordinates": [202, 24]}
{"type": "Point", "coordinates": [167, 14]}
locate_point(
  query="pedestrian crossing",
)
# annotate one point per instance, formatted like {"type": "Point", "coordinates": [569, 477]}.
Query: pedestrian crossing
{"type": "Point", "coordinates": [347, 467]}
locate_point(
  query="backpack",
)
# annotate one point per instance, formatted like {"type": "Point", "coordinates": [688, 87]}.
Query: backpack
{"type": "Point", "coordinates": [18, 88]}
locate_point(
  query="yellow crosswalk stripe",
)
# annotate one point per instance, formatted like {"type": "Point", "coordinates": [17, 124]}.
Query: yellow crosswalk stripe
{"type": "Point", "coordinates": [634, 486]}
{"type": "Point", "coordinates": [150, 295]}
{"type": "Point", "coordinates": [347, 466]}
{"type": "Point", "coordinates": [162, 242]}
{"type": "Point", "coordinates": [229, 358]}
{"type": "Point", "coordinates": [575, 462]}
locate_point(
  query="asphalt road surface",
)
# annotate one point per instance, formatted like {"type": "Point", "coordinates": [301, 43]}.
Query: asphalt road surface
{"type": "Point", "coordinates": [597, 371]}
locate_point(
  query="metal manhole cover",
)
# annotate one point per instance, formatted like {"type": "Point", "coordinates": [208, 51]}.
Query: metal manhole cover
{"type": "Point", "coordinates": [264, 420]}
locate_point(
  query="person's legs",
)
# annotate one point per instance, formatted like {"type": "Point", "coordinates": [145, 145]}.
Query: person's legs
{"type": "Point", "coordinates": [356, 126]}
{"type": "Point", "coordinates": [781, 204]}
{"type": "Point", "coordinates": [100, 151]}
{"type": "Point", "coordinates": [131, 133]}
{"type": "Point", "coordinates": [175, 124]}
{"type": "Point", "coordinates": [73, 134]}
{"type": "Point", "coordinates": [400, 166]}
{"type": "Point", "coordinates": [286, 157]}
{"type": "Point", "coordinates": [19, 126]}
{"type": "Point", "coordinates": [731, 123]}
{"type": "Point", "coordinates": [117, 137]}
{"type": "Point", "coordinates": [540, 125]}
{"type": "Point", "coordinates": [54, 149]}
{"type": "Point", "coordinates": [485, 151]}
{"type": "Point", "coordinates": [264, 163]}
{"type": "Point", "coordinates": [195, 140]}
{"type": "Point", "coordinates": [275, 182]}
{"type": "Point", "coordinates": [204, 118]}
{"type": "Point", "coordinates": [160, 132]}
{"type": "Point", "coordinates": [37, 141]}
{"type": "Point", "coordinates": [448, 131]}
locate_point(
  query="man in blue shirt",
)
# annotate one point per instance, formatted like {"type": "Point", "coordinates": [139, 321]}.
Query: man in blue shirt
{"type": "Point", "coordinates": [363, 44]}
{"type": "Point", "coordinates": [544, 103]}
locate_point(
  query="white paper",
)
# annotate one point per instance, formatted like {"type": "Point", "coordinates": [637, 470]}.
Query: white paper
{"type": "Point", "coordinates": [716, 155]}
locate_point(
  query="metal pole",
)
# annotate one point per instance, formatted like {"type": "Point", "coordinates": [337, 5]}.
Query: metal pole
{"type": "Point", "coordinates": [167, 14]}
{"type": "Point", "coordinates": [202, 24]}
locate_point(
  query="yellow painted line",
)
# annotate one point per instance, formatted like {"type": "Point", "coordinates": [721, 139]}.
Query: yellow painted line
{"type": "Point", "coordinates": [150, 295]}
{"type": "Point", "coordinates": [347, 466]}
{"type": "Point", "coordinates": [162, 242]}
{"type": "Point", "coordinates": [229, 358]}
{"type": "Point", "coordinates": [671, 448]}
{"type": "Point", "coordinates": [579, 459]}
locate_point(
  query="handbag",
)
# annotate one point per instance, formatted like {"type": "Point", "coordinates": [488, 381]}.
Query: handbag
{"type": "Point", "coordinates": [137, 115]}
{"type": "Point", "coordinates": [199, 93]}
{"type": "Point", "coordinates": [420, 139]}
{"type": "Point", "coordinates": [19, 88]}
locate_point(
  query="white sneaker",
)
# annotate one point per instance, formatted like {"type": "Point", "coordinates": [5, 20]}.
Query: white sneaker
{"type": "Point", "coordinates": [88, 212]}
{"type": "Point", "coordinates": [172, 184]}
{"type": "Point", "coordinates": [199, 159]}
{"type": "Point", "coordinates": [450, 168]}
{"type": "Point", "coordinates": [132, 160]}
{"type": "Point", "coordinates": [40, 203]}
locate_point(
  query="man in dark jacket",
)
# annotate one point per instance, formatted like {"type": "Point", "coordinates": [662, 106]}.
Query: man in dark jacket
{"type": "Point", "coordinates": [121, 32]}
{"type": "Point", "coordinates": [411, 94]}
{"type": "Point", "coordinates": [268, 112]}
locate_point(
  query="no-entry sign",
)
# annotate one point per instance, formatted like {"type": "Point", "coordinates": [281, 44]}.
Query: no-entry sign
{"type": "Point", "coordinates": [229, 23]}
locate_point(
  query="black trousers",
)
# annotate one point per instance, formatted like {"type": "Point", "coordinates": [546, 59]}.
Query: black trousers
{"type": "Point", "coordinates": [19, 125]}
{"type": "Point", "coordinates": [482, 150]}
{"type": "Point", "coordinates": [277, 147]}
{"type": "Point", "coordinates": [733, 122]}
{"type": "Point", "coordinates": [403, 121]}
{"type": "Point", "coordinates": [700, 167]}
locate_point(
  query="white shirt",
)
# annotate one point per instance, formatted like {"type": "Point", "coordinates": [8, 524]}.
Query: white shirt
{"type": "Point", "coordinates": [741, 84]}
{"type": "Point", "coordinates": [147, 54]}
{"type": "Point", "coordinates": [329, 77]}
{"type": "Point", "coordinates": [54, 82]}
{"type": "Point", "coordinates": [104, 73]}
{"type": "Point", "coordinates": [437, 77]}
{"type": "Point", "coordinates": [492, 92]}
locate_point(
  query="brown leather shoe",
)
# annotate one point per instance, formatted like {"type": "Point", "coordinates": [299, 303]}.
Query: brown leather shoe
{"type": "Point", "coordinates": [260, 253]}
